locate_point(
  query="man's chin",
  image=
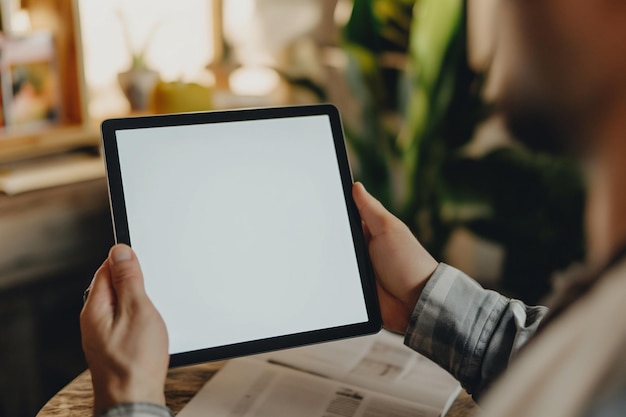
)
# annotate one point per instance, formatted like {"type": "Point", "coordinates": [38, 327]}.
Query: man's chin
{"type": "Point", "coordinates": [540, 129]}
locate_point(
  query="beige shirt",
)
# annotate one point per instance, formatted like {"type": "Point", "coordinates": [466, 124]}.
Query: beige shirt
{"type": "Point", "coordinates": [575, 363]}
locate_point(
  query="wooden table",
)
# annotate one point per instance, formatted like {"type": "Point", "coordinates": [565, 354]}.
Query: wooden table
{"type": "Point", "coordinates": [76, 399]}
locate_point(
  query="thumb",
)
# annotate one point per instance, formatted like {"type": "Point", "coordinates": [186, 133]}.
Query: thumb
{"type": "Point", "coordinates": [126, 276]}
{"type": "Point", "coordinates": [373, 213]}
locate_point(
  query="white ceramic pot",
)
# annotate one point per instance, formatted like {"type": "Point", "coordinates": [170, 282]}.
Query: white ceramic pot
{"type": "Point", "coordinates": [138, 86]}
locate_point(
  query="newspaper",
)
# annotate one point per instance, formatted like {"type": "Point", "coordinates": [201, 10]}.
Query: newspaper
{"type": "Point", "coordinates": [369, 376]}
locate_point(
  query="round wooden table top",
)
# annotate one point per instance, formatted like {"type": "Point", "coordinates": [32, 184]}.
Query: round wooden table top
{"type": "Point", "coordinates": [76, 399]}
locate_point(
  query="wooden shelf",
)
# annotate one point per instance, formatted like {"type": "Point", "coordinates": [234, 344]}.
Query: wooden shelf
{"type": "Point", "coordinates": [46, 142]}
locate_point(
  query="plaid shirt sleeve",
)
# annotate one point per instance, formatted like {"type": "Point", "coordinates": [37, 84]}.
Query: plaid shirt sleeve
{"type": "Point", "coordinates": [137, 410]}
{"type": "Point", "coordinates": [469, 331]}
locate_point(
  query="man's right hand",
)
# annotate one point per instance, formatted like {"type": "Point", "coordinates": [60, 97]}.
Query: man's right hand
{"type": "Point", "coordinates": [402, 266]}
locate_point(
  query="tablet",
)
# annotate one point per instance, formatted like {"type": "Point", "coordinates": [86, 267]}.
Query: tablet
{"type": "Point", "coordinates": [245, 227]}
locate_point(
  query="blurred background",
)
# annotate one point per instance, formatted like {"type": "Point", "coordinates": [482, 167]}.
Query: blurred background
{"type": "Point", "coordinates": [414, 81]}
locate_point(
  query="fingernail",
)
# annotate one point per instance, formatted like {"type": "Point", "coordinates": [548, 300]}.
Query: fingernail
{"type": "Point", "coordinates": [121, 253]}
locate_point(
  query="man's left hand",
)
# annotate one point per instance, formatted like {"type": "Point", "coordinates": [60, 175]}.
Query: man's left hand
{"type": "Point", "coordinates": [124, 337]}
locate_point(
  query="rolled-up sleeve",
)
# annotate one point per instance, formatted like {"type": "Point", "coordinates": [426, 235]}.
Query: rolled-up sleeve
{"type": "Point", "coordinates": [469, 331]}
{"type": "Point", "coordinates": [137, 410]}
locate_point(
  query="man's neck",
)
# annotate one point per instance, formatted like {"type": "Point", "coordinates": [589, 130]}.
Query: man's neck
{"type": "Point", "coordinates": [606, 188]}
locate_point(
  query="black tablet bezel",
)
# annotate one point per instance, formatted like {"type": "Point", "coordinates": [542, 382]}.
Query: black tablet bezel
{"type": "Point", "coordinates": [120, 221]}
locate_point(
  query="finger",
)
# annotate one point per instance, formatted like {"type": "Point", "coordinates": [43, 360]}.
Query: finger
{"type": "Point", "coordinates": [100, 302]}
{"type": "Point", "coordinates": [126, 277]}
{"type": "Point", "coordinates": [372, 212]}
{"type": "Point", "coordinates": [366, 232]}
{"type": "Point", "coordinates": [395, 316]}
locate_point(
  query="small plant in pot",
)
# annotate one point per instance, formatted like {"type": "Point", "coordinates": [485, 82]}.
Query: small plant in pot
{"type": "Point", "coordinates": [139, 81]}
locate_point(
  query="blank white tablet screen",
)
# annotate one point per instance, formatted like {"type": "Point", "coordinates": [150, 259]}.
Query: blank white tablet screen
{"type": "Point", "coordinates": [241, 229]}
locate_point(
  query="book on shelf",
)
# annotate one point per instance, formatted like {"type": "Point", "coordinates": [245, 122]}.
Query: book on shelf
{"type": "Point", "coordinates": [30, 82]}
{"type": "Point", "coordinates": [369, 376]}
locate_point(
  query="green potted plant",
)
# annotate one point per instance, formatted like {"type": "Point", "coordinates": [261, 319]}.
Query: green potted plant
{"type": "Point", "coordinates": [421, 105]}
